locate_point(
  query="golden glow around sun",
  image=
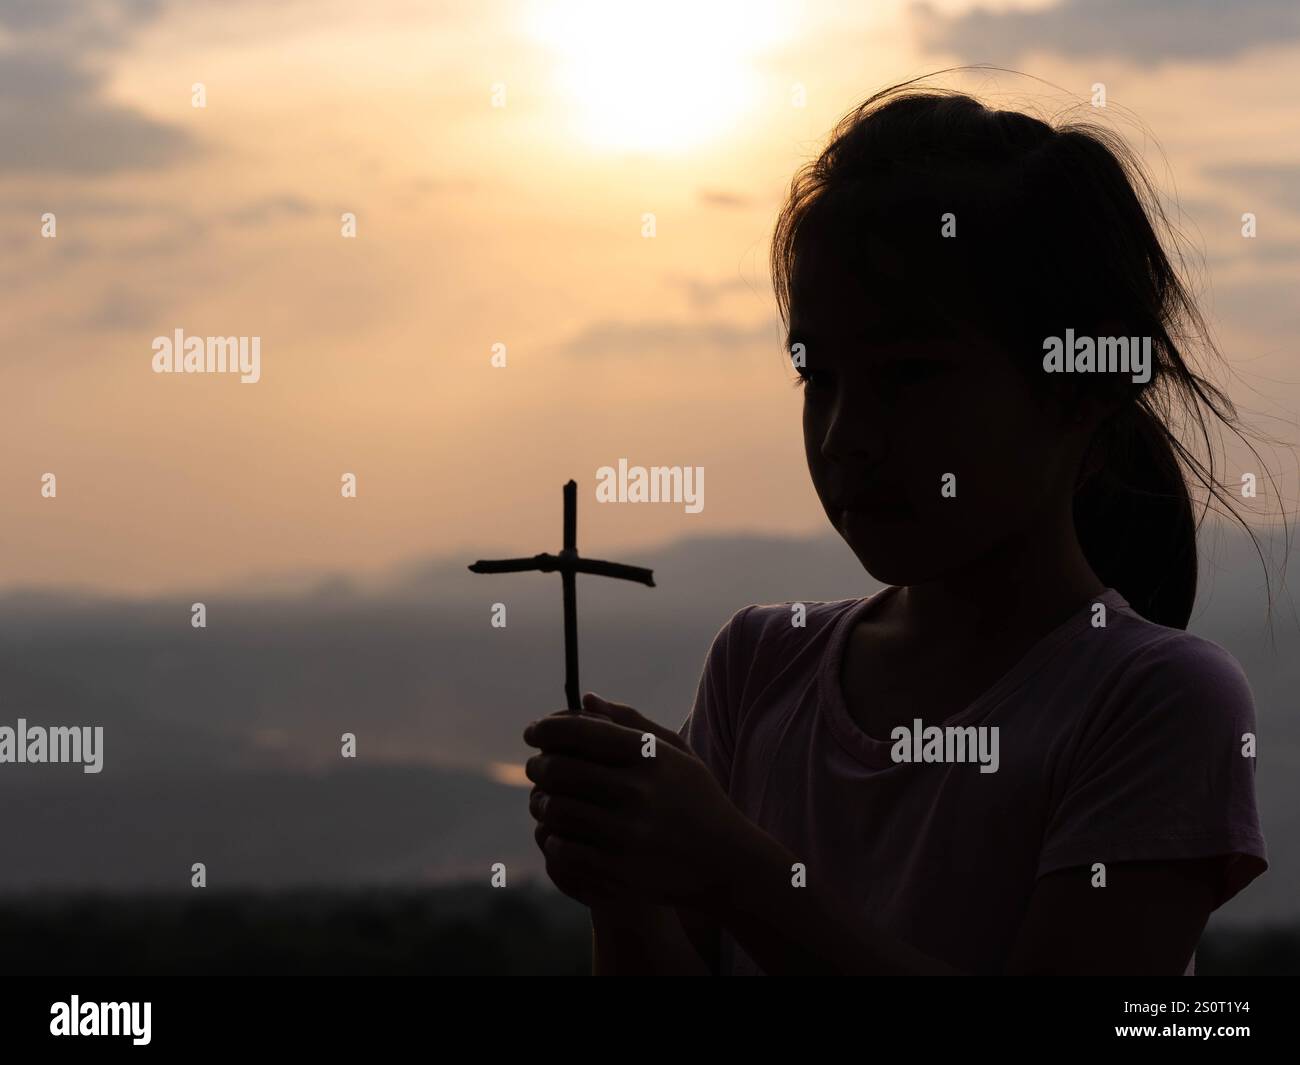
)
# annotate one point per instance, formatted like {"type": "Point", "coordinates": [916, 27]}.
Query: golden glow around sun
{"type": "Point", "coordinates": [657, 75]}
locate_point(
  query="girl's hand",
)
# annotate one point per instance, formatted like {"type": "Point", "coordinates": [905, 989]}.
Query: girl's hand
{"type": "Point", "coordinates": [622, 826]}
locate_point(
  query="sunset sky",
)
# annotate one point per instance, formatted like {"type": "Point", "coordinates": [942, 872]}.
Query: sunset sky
{"type": "Point", "coordinates": [520, 225]}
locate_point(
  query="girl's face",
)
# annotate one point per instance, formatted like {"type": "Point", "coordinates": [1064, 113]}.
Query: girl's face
{"type": "Point", "coordinates": [926, 450]}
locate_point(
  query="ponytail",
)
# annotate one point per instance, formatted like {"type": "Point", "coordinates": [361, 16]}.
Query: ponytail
{"type": "Point", "coordinates": [1135, 521]}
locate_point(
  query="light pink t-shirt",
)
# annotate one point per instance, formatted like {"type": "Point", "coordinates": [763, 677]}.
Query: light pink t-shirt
{"type": "Point", "coordinates": [1115, 743]}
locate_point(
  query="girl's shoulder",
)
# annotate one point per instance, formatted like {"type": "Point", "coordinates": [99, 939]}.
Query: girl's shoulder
{"type": "Point", "coordinates": [1174, 658]}
{"type": "Point", "coordinates": [796, 624]}
{"type": "Point", "coordinates": [1167, 679]}
{"type": "Point", "coordinates": [800, 615]}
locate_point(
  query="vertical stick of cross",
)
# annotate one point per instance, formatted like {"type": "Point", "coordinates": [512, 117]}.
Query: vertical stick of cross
{"type": "Point", "coordinates": [570, 564]}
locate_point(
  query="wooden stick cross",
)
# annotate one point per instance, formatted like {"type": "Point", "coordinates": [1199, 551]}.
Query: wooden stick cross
{"type": "Point", "coordinates": [569, 563]}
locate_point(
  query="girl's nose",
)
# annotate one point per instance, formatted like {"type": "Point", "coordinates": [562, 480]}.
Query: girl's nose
{"type": "Point", "coordinates": [856, 427]}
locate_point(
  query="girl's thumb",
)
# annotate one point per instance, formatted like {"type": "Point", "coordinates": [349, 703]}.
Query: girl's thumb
{"type": "Point", "coordinates": [622, 714]}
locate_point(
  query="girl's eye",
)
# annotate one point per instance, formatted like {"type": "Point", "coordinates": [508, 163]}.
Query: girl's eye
{"type": "Point", "coordinates": [915, 371]}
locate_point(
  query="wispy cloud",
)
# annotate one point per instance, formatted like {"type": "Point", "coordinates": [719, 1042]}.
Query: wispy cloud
{"type": "Point", "coordinates": [269, 208]}
{"type": "Point", "coordinates": [1278, 183]}
{"type": "Point", "coordinates": [121, 309]}
{"type": "Point", "coordinates": [1141, 30]}
{"type": "Point", "coordinates": [624, 339]}
{"type": "Point", "coordinates": [723, 198]}
{"type": "Point", "coordinates": [54, 116]}
{"type": "Point", "coordinates": [704, 294]}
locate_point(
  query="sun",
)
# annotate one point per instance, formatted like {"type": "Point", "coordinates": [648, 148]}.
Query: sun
{"type": "Point", "coordinates": [657, 75]}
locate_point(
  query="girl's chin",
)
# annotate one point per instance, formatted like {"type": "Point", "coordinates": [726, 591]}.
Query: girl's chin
{"type": "Point", "coordinates": [887, 547]}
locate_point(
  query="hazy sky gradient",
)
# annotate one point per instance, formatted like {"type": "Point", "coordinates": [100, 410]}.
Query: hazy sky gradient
{"type": "Point", "coordinates": [519, 225]}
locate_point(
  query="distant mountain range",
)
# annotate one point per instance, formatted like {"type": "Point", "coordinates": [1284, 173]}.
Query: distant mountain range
{"type": "Point", "coordinates": [221, 745]}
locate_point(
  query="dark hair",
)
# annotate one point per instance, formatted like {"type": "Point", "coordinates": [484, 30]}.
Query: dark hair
{"type": "Point", "coordinates": [1056, 231]}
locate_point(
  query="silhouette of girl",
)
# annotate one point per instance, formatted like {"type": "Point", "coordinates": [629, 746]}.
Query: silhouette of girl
{"type": "Point", "coordinates": [1089, 799]}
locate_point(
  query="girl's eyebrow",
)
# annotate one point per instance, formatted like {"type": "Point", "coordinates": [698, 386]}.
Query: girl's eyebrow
{"type": "Point", "coordinates": [795, 334]}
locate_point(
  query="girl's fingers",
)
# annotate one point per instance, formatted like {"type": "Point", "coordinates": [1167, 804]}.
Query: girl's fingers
{"type": "Point", "coordinates": [560, 774]}
{"type": "Point", "coordinates": [578, 820]}
{"type": "Point", "coordinates": [575, 873]}
{"type": "Point", "coordinates": [622, 714]}
{"type": "Point", "coordinates": [588, 736]}
{"type": "Point", "coordinates": [598, 873]}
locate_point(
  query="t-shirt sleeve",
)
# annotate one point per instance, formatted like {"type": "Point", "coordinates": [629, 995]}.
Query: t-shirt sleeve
{"type": "Point", "coordinates": [710, 728]}
{"type": "Point", "coordinates": [1165, 770]}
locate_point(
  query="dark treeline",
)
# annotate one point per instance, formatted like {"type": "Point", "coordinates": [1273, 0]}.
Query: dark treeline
{"type": "Point", "coordinates": [436, 931]}
{"type": "Point", "coordinates": [466, 929]}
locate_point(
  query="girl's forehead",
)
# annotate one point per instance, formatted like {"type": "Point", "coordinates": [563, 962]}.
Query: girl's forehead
{"type": "Point", "coordinates": [883, 290]}
{"type": "Point", "coordinates": [830, 301]}
{"type": "Point", "coordinates": [846, 306]}
{"type": "Point", "coordinates": [867, 284]}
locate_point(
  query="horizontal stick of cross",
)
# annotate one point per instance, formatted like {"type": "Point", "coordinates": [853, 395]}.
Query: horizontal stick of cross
{"type": "Point", "coordinates": [568, 563]}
